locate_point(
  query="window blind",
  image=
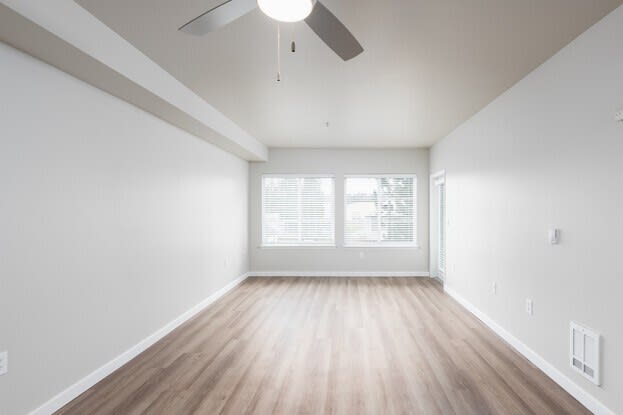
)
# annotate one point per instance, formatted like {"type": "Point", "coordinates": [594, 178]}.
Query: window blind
{"type": "Point", "coordinates": [380, 210]}
{"type": "Point", "coordinates": [298, 211]}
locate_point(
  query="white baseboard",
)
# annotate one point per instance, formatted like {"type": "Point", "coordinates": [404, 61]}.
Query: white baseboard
{"type": "Point", "coordinates": [585, 398]}
{"type": "Point", "coordinates": [338, 274]}
{"type": "Point", "coordinates": [85, 383]}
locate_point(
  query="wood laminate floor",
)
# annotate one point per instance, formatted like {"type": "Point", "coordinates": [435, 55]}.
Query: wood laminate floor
{"type": "Point", "coordinates": [329, 346]}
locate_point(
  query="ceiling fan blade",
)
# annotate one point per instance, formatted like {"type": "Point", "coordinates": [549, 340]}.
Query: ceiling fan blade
{"type": "Point", "coordinates": [333, 32]}
{"type": "Point", "coordinates": [218, 17]}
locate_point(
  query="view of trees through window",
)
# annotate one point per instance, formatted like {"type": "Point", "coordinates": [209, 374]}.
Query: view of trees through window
{"type": "Point", "coordinates": [380, 210]}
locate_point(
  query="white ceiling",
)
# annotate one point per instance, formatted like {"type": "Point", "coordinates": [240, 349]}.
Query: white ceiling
{"type": "Point", "coordinates": [428, 65]}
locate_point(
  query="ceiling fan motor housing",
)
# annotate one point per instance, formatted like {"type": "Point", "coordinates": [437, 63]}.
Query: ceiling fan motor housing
{"type": "Point", "coordinates": [288, 11]}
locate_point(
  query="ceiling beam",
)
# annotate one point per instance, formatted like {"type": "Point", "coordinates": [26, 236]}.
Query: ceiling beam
{"type": "Point", "coordinates": [63, 34]}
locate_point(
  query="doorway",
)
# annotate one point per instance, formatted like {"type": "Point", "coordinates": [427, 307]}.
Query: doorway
{"type": "Point", "coordinates": [438, 222]}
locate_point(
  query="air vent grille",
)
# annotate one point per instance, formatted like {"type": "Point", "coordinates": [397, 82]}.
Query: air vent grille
{"type": "Point", "coordinates": [585, 352]}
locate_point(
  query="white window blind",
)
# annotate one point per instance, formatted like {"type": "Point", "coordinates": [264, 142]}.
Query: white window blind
{"type": "Point", "coordinates": [380, 210]}
{"type": "Point", "coordinates": [298, 210]}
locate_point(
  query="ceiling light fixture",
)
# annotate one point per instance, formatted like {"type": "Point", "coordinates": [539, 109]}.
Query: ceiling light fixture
{"type": "Point", "coordinates": [287, 10]}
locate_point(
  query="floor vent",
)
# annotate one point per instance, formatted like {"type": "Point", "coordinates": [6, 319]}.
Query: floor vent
{"type": "Point", "coordinates": [585, 352]}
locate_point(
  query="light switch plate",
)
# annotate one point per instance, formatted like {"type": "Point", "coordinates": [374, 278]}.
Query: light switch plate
{"type": "Point", "coordinates": [4, 363]}
{"type": "Point", "coordinates": [529, 306]}
{"type": "Point", "coordinates": [619, 116]}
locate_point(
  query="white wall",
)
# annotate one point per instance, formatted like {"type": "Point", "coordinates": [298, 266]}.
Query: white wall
{"type": "Point", "coordinates": [340, 163]}
{"type": "Point", "coordinates": [547, 152]}
{"type": "Point", "coordinates": [112, 223]}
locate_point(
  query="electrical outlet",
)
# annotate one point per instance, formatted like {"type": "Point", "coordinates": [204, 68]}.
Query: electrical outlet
{"type": "Point", "coordinates": [494, 287]}
{"type": "Point", "coordinates": [529, 306]}
{"type": "Point", "coordinates": [4, 363]}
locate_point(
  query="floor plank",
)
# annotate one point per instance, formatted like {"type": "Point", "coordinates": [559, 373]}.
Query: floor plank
{"type": "Point", "coordinates": [329, 346]}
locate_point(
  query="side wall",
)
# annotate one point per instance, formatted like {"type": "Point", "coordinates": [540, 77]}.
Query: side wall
{"type": "Point", "coordinates": [547, 153]}
{"type": "Point", "coordinates": [341, 259]}
{"type": "Point", "coordinates": [112, 224]}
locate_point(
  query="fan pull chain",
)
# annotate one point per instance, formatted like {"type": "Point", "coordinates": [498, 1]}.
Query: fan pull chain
{"type": "Point", "coordinates": [293, 43]}
{"type": "Point", "coordinates": [278, 52]}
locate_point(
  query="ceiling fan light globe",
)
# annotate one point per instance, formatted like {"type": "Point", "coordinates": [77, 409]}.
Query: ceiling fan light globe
{"type": "Point", "coordinates": [286, 10]}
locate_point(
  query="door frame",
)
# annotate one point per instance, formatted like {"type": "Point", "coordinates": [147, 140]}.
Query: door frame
{"type": "Point", "coordinates": [435, 180]}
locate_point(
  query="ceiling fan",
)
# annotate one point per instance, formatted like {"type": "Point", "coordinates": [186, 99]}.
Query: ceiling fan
{"type": "Point", "coordinates": [324, 23]}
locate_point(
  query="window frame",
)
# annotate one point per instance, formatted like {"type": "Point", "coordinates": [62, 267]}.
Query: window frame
{"type": "Point", "coordinates": [263, 244]}
{"type": "Point", "coordinates": [378, 244]}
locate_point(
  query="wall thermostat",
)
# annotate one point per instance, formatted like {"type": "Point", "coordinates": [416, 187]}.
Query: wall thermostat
{"type": "Point", "coordinates": [554, 236]}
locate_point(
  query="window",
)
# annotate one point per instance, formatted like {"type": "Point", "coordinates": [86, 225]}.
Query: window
{"type": "Point", "coordinates": [380, 210]}
{"type": "Point", "coordinates": [298, 210]}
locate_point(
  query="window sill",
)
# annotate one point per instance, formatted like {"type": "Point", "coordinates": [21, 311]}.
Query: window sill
{"type": "Point", "coordinates": [335, 246]}
{"type": "Point", "coordinates": [297, 247]}
{"type": "Point", "coordinates": [390, 246]}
